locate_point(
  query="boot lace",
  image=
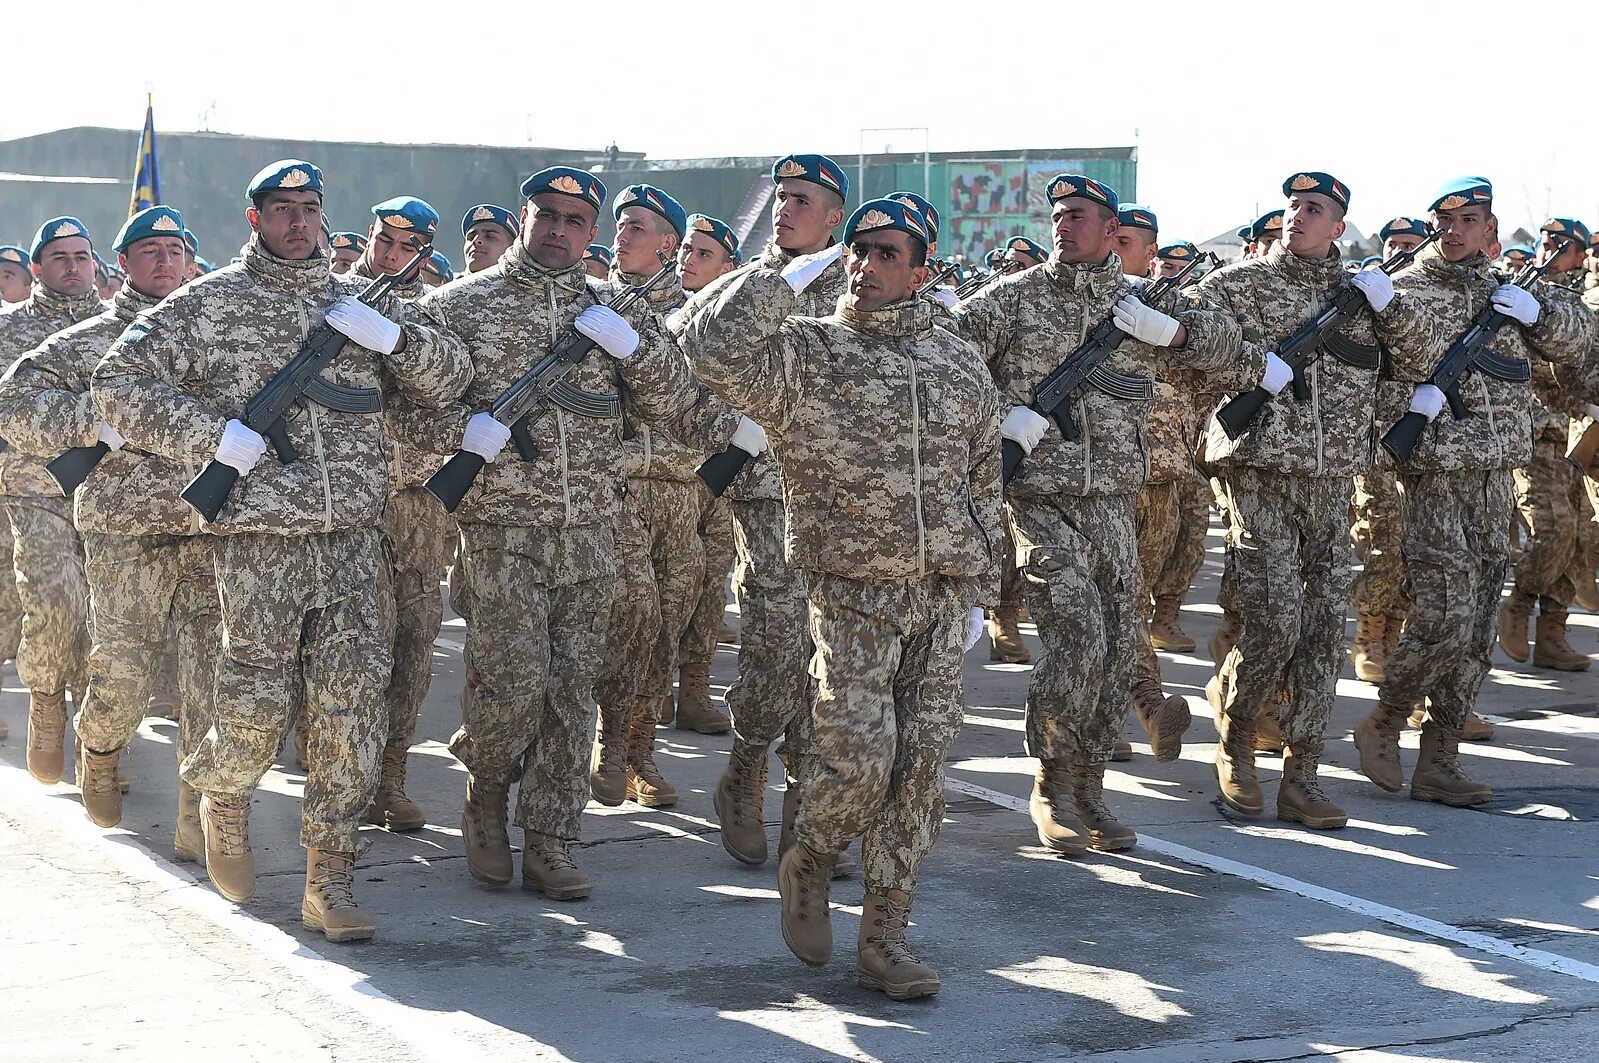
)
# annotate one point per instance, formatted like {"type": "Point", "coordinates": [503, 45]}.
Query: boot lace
{"type": "Point", "coordinates": [232, 828]}
{"type": "Point", "coordinates": [889, 936]}
{"type": "Point", "coordinates": [555, 855]}
{"type": "Point", "coordinates": [47, 720]}
{"type": "Point", "coordinates": [100, 776]}
{"type": "Point", "coordinates": [487, 810]}
{"type": "Point", "coordinates": [335, 880]}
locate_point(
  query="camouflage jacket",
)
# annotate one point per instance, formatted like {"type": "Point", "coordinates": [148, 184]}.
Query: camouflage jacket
{"type": "Point", "coordinates": [170, 383]}
{"type": "Point", "coordinates": [888, 430]}
{"type": "Point", "coordinates": [23, 326]}
{"type": "Point", "coordinates": [1555, 399]}
{"type": "Point", "coordinates": [1434, 303]}
{"type": "Point", "coordinates": [1171, 425]}
{"type": "Point", "coordinates": [761, 478]}
{"type": "Point", "coordinates": [1257, 303]}
{"type": "Point", "coordinates": [510, 315]}
{"type": "Point", "coordinates": [1027, 323]}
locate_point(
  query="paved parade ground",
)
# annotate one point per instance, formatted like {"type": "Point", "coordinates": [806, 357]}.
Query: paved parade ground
{"type": "Point", "coordinates": [1418, 933]}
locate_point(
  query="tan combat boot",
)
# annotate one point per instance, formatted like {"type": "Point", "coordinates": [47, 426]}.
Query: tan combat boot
{"type": "Point", "coordinates": [1165, 720]}
{"type": "Point", "coordinates": [1476, 729]}
{"type": "Point", "coordinates": [1513, 617]}
{"type": "Point", "coordinates": [1226, 636]}
{"type": "Point", "coordinates": [1105, 833]}
{"type": "Point", "coordinates": [803, 878]}
{"type": "Point", "coordinates": [1377, 740]}
{"type": "Point", "coordinates": [883, 958]}
{"type": "Point", "coordinates": [548, 868]}
{"type": "Point", "coordinates": [1121, 751]}
{"type": "Point", "coordinates": [1269, 725]}
{"type": "Point", "coordinates": [390, 807]}
{"type": "Point", "coordinates": [1005, 637]}
{"type": "Point", "coordinates": [1587, 593]}
{"type": "Point", "coordinates": [1438, 775]}
{"type": "Point", "coordinates": [608, 763]}
{"type": "Point", "coordinates": [47, 730]}
{"type": "Point", "coordinates": [1165, 630]}
{"type": "Point", "coordinates": [97, 778]}
{"type": "Point", "coordinates": [1235, 766]}
{"type": "Point", "coordinates": [645, 783]}
{"type": "Point", "coordinates": [1059, 829]}
{"type": "Point", "coordinates": [1300, 798]}
{"type": "Point", "coordinates": [188, 837]}
{"type": "Point", "coordinates": [488, 846]}
{"type": "Point", "coordinates": [1369, 654]}
{"type": "Point", "coordinates": [740, 800]}
{"type": "Point", "coordinates": [329, 902]}
{"type": "Point", "coordinates": [695, 711]}
{"type": "Point", "coordinates": [1552, 650]}
{"type": "Point", "coordinates": [229, 860]}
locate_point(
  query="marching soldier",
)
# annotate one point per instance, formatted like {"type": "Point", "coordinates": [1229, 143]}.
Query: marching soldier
{"type": "Point", "coordinates": [597, 261]}
{"type": "Point", "coordinates": [16, 277]}
{"type": "Point", "coordinates": [347, 249]}
{"type": "Point", "coordinates": [1265, 231]}
{"type": "Point", "coordinates": [487, 229]}
{"type": "Point", "coordinates": [437, 271]}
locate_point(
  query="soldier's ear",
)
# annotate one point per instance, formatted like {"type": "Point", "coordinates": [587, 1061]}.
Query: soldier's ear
{"type": "Point", "coordinates": [252, 216]}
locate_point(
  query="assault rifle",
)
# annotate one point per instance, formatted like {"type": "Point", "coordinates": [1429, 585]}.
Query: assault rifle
{"type": "Point", "coordinates": [1306, 343]}
{"type": "Point", "coordinates": [543, 385]}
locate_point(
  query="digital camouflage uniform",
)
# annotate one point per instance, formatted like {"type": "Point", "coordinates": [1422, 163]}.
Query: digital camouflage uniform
{"type": "Point", "coordinates": [698, 645]}
{"type": "Point", "coordinates": [298, 557]}
{"type": "Point", "coordinates": [1194, 497]}
{"type": "Point", "coordinates": [1378, 530]}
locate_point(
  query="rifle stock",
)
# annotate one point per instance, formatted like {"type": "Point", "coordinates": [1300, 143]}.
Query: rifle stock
{"type": "Point", "coordinates": [72, 466]}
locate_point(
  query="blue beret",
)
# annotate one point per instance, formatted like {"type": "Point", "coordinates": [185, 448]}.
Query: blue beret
{"type": "Point", "coordinates": [876, 215]}
{"type": "Point", "coordinates": [439, 264]}
{"type": "Point", "coordinates": [1520, 251]}
{"type": "Point", "coordinates": [991, 259]}
{"type": "Point", "coordinates": [1316, 181]}
{"type": "Point", "coordinates": [817, 169]}
{"type": "Point", "coordinates": [151, 221]}
{"type": "Point", "coordinates": [205, 267]}
{"type": "Point", "coordinates": [57, 229]}
{"type": "Point", "coordinates": [408, 213]}
{"type": "Point", "coordinates": [1182, 250]}
{"type": "Point", "coordinates": [11, 254]}
{"type": "Point", "coordinates": [1460, 191]}
{"type": "Point", "coordinates": [1245, 232]}
{"type": "Point", "coordinates": [291, 175]}
{"type": "Point", "coordinates": [348, 242]}
{"type": "Point", "coordinates": [916, 202]}
{"type": "Point", "coordinates": [717, 230]}
{"type": "Point", "coordinates": [1402, 226]}
{"type": "Point", "coordinates": [568, 182]}
{"type": "Point", "coordinates": [1370, 260]}
{"type": "Point", "coordinates": [193, 241]}
{"type": "Point", "coordinates": [1269, 223]}
{"type": "Point", "coordinates": [598, 252]}
{"type": "Point", "coordinates": [1133, 216]}
{"type": "Point", "coordinates": [652, 199]}
{"type": "Point", "coordinates": [1027, 246]}
{"type": "Point", "coordinates": [1066, 185]}
{"type": "Point", "coordinates": [488, 212]}
{"type": "Point", "coordinates": [1566, 227]}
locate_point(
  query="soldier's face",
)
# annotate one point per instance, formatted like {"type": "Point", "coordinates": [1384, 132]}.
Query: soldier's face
{"type": "Point", "coordinates": [1465, 231]}
{"type": "Point", "coordinates": [701, 260]}
{"type": "Point", "coordinates": [344, 258]}
{"type": "Point", "coordinates": [1136, 248]}
{"type": "Point", "coordinates": [1311, 223]}
{"type": "Point", "coordinates": [486, 241]}
{"type": "Point", "coordinates": [289, 223]}
{"type": "Point", "coordinates": [804, 215]}
{"type": "Point", "coordinates": [155, 267]}
{"type": "Point", "coordinates": [1082, 230]}
{"type": "Point", "coordinates": [1399, 243]}
{"type": "Point", "coordinates": [557, 229]}
{"type": "Point", "coordinates": [1567, 254]}
{"type": "Point", "coordinates": [389, 249]}
{"type": "Point", "coordinates": [1170, 267]}
{"type": "Point", "coordinates": [15, 283]}
{"type": "Point", "coordinates": [880, 269]}
{"type": "Point", "coordinates": [66, 266]}
{"type": "Point", "coordinates": [641, 235]}
{"type": "Point", "coordinates": [596, 268]}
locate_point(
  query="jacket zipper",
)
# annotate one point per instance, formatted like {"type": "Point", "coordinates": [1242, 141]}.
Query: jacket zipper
{"type": "Point", "coordinates": [916, 469]}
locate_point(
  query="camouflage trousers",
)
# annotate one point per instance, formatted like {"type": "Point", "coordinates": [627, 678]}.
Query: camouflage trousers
{"type": "Point", "coordinates": [540, 608]}
{"type": "Point", "coordinates": [1378, 529]}
{"type": "Point", "coordinates": [48, 554]}
{"type": "Point", "coordinates": [141, 588]}
{"type": "Point", "coordinates": [698, 645]}
{"type": "Point", "coordinates": [1549, 495]}
{"type": "Point", "coordinates": [419, 537]}
{"type": "Point", "coordinates": [304, 622]}
{"type": "Point", "coordinates": [1079, 563]}
{"type": "Point", "coordinates": [1187, 554]}
{"type": "Point", "coordinates": [771, 697]}
{"type": "Point", "coordinates": [1010, 577]}
{"type": "Point", "coordinates": [1227, 586]}
{"type": "Point", "coordinates": [1158, 520]}
{"type": "Point", "coordinates": [1290, 542]}
{"type": "Point", "coordinates": [10, 605]}
{"type": "Point", "coordinates": [888, 705]}
{"type": "Point", "coordinates": [1457, 548]}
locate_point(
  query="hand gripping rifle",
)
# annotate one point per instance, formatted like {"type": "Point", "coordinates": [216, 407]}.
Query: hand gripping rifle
{"type": "Point", "coordinates": [1306, 343]}
{"type": "Point", "coordinates": [1469, 352]}
{"type": "Point", "coordinates": [543, 385]}
{"type": "Point", "coordinates": [299, 380]}
{"type": "Point", "coordinates": [1086, 365]}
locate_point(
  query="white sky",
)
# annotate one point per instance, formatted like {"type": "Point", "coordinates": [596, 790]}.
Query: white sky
{"type": "Point", "coordinates": [1391, 96]}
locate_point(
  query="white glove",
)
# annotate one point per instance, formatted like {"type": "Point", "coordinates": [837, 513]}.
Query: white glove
{"type": "Point", "coordinates": [364, 325]}
{"type": "Point", "coordinates": [1427, 401]}
{"type": "Point", "coordinates": [1144, 323]}
{"type": "Point", "coordinates": [749, 437]}
{"type": "Point", "coordinates": [111, 437]}
{"type": "Point", "coordinates": [608, 329]}
{"type": "Point", "coordinates": [947, 297]}
{"type": "Point", "coordinates": [801, 271]}
{"type": "Point", "coordinates": [1024, 427]}
{"type": "Point", "coordinates": [1515, 302]}
{"type": "Point", "coordinates": [670, 320]}
{"type": "Point", "coordinates": [974, 628]}
{"type": "Point", "coordinates": [1278, 374]}
{"type": "Point", "coordinates": [241, 446]}
{"type": "Point", "coordinates": [485, 437]}
{"type": "Point", "coordinates": [1376, 286]}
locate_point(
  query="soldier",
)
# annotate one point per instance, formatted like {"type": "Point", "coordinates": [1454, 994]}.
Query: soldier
{"type": "Point", "coordinates": [437, 271]}
{"type": "Point", "coordinates": [145, 566]}
{"type": "Point", "coordinates": [1071, 503]}
{"type": "Point", "coordinates": [298, 554]}
{"type": "Point", "coordinates": [1266, 230]}
{"type": "Point", "coordinates": [16, 277]}
{"type": "Point", "coordinates": [597, 261]}
{"type": "Point", "coordinates": [1457, 484]}
{"type": "Point", "coordinates": [52, 600]}
{"type": "Point", "coordinates": [191, 255]}
{"type": "Point", "coordinates": [888, 429]}
{"type": "Point", "coordinates": [347, 249]}
{"type": "Point", "coordinates": [1515, 258]}
{"type": "Point", "coordinates": [537, 534]}
{"type": "Point", "coordinates": [1549, 492]}
{"type": "Point", "coordinates": [488, 230]}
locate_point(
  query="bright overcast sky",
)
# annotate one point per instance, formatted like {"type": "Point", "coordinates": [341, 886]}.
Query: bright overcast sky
{"type": "Point", "coordinates": [1224, 99]}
